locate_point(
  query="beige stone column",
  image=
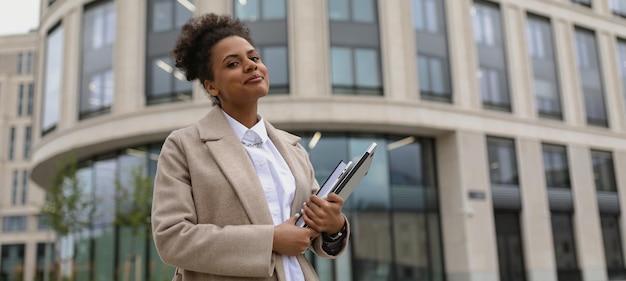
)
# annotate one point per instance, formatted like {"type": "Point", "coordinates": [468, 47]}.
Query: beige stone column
{"type": "Point", "coordinates": [463, 54]}
{"type": "Point", "coordinates": [129, 56]}
{"type": "Point", "coordinates": [467, 224]}
{"type": "Point", "coordinates": [587, 231]}
{"type": "Point", "coordinates": [535, 217]}
{"type": "Point", "coordinates": [72, 51]}
{"type": "Point", "coordinates": [309, 53]}
{"type": "Point", "coordinates": [397, 40]}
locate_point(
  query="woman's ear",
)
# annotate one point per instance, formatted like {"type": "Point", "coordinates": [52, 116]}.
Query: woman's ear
{"type": "Point", "coordinates": [210, 88]}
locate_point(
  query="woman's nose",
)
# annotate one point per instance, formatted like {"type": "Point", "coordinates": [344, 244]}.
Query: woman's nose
{"type": "Point", "coordinates": [250, 65]}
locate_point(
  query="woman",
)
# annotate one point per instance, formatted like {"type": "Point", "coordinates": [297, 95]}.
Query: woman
{"type": "Point", "coordinates": [229, 189]}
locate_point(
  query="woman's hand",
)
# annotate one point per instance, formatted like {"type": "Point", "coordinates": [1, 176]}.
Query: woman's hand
{"type": "Point", "coordinates": [324, 215]}
{"type": "Point", "coordinates": [292, 240]}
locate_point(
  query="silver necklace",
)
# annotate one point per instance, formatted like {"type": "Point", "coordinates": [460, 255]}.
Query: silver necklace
{"type": "Point", "coordinates": [256, 144]}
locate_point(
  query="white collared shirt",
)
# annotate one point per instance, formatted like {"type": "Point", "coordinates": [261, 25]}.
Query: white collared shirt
{"type": "Point", "coordinates": [277, 181]}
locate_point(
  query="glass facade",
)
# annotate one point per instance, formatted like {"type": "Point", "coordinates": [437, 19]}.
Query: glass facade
{"type": "Point", "coordinates": [53, 73]}
{"type": "Point", "coordinates": [164, 82]}
{"type": "Point", "coordinates": [612, 246]}
{"type": "Point", "coordinates": [97, 79]}
{"type": "Point", "coordinates": [510, 250]}
{"type": "Point", "coordinates": [14, 223]}
{"type": "Point", "coordinates": [433, 66]}
{"type": "Point", "coordinates": [621, 64]}
{"type": "Point", "coordinates": [541, 52]}
{"type": "Point", "coordinates": [355, 63]}
{"type": "Point", "coordinates": [590, 75]}
{"type": "Point", "coordinates": [492, 72]}
{"type": "Point", "coordinates": [565, 247]}
{"type": "Point", "coordinates": [556, 166]}
{"type": "Point", "coordinates": [502, 161]}
{"type": "Point", "coordinates": [11, 262]}
{"type": "Point", "coordinates": [603, 171]}
{"type": "Point", "coordinates": [394, 214]}
{"type": "Point", "coordinates": [618, 7]}
{"type": "Point", "coordinates": [12, 136]}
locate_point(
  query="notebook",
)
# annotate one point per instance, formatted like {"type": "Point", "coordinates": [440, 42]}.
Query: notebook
{"type": "Point", "coordinates": [345, 177]}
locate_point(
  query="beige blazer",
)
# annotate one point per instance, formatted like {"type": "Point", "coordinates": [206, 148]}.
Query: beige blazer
{"type": "Point", "coordinates": [210, 218]}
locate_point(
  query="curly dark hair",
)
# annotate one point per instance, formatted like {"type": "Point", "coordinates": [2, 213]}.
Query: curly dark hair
{"type": "Point", "coordinates": [192, 52]}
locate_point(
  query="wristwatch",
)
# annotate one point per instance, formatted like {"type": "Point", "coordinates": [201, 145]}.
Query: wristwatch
{"type": "Point", "coordinates": [338, 235]}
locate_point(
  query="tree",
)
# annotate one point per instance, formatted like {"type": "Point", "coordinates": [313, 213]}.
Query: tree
{"type": "Point", "coordinates": [134, 201]}
{"type": "Point", "coordinates": [68, 207]}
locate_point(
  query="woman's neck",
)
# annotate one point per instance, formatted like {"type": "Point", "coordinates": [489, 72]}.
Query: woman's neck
{"type": "Point", "coordinates": [248, 117]}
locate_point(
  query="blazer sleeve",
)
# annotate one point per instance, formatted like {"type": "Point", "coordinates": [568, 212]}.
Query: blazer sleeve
{"type": "Point", "coordinates": [316, 244]}
{"type": "Point", "coordinates": [234, 250]}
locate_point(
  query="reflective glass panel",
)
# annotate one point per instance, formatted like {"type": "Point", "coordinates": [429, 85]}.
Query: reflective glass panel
{"type": "Point", "coordinates": [341, 66]}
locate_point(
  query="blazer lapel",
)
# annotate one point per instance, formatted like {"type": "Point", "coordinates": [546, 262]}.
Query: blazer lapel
{"type": "Point", "coordinates": [234, 162]}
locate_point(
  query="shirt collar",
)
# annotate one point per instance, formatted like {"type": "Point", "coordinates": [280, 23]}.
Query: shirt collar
{"type": "Point", "coordinates": [258, 131]}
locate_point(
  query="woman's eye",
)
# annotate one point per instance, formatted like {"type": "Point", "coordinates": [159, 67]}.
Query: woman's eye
{"type": "Point", "coordinates": [232, 64]}
{"type": "Point", "coordinates": [255, 59]}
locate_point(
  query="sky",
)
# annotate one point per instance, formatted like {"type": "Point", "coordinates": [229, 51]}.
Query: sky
{"type": "Point", "coordinates": [18, 16]}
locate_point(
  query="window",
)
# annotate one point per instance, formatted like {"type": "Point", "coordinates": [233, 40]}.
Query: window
{"type": "Point", "coordinates": [565, 247]}
{"type": "Point", "coordinates": [354, 47]}
{"type": "Point", "coordinates": [603, 171]}
{"type": "Point", "coordinates": [14, 223]}
{"type": "Point", "coordinates": [590, 77]}
{"type": "Point", "coordinates": [31, 96]}
{"type": "Point", "coordinates": [12, 262]}
{"type": "Point", "coordinates": [612, 246]}
{"type": "Point", "coordinates": [164, 82]}
{"type": "Point", "coordinates": [20, 100]}
{"type": "Point", "coordinates": [399, 201]}
{"type": "Point", "coordinates": [621, 63]}
{"type": "Point", "coordinates": [582, 2]}
{"type": "Point", "coordinates": [97, 79]}
{"type": "Point", "coordinates": [491, 88]}
{"type": "Point", "coordinates": [168, 15]}
{"type": "Point", "coordinates": [45, 251]}
{"type": "Point", "coordinates": [355, 70]}
{"type": "Point", "coordinates": [27, 141]}
{"type": "Point", "coordinates": [492, 71]}
{"type": "Point", "coordinates": [618, 7]}
{"type": "Point", "coordinates": [267, 21]}
{"type": "Point", "coordinates": [167, 79]}
{"type": "Point", "coordinates": [52, 81]}
{"type": "Point", "coordinates": [12, 144]}
{"type": "Point", "coordinates": [15, 189]}
{"type": "Point", "coordinates": [24, 187]}
{"type": "Point", "coordinates": [29, 62]}
{"type": "Point", "coordinates": [352, 10]}
{"type": "Point", "coordinates": [20, 62]}
{"type": "Point", "coordinates": [502, 161]}
{"type": "Point", "coordinates": [432, 50]}
{"type": "Point", "coordinates": [556, 166]}
{"type": "Point", "coordinates": [43, 223]}
{"type": "Point", "coordinates": [541, 52]}
{"type": "Point", "coordinates": [260, 10]}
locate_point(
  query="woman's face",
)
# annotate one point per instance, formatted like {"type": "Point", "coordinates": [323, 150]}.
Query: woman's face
{"type": "Point", "coordinates": [239, 76]}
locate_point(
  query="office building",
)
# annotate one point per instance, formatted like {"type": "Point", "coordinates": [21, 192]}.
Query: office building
{"type": "Point", "coordinates": [501, 127]}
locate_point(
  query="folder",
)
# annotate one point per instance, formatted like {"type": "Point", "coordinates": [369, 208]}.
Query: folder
{"type": "Point", "coordinates": [345, 177]}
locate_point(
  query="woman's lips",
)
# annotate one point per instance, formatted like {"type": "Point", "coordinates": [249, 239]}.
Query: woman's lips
{"type": "Point", "coordinates": [254, 78]}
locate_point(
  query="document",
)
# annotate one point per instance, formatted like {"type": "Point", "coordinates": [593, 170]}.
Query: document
{"type": "Point", "coordinates": [345, 177]}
